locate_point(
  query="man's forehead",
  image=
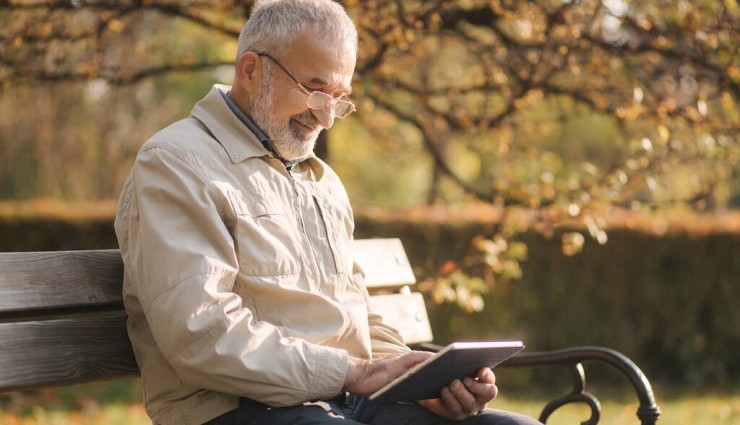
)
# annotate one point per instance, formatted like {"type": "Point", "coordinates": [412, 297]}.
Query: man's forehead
{"type": "Point", "coordinates": [319, 61]}
{"type": "Point", "coordinates": [324, 76]}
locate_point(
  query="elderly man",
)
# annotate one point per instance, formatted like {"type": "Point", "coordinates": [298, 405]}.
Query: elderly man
{"type": "Point", "coordinates": [244, 302]}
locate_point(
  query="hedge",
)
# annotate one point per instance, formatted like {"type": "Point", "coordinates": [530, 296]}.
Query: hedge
{"type": "Point", "coordinates": [669, 302]}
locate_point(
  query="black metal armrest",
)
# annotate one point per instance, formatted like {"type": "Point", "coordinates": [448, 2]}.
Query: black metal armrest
{"type": "Point", "coordinates": [648, 411]}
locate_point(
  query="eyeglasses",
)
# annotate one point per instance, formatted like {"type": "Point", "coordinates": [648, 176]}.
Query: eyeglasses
{"type": "Point", "coordinates": [317, 99]}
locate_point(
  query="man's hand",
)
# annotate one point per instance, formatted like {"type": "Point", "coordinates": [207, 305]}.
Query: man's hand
{"type": "Point", "coordinates": [465, 397]}
{"type": "Point", "coordinates": [364, 377]}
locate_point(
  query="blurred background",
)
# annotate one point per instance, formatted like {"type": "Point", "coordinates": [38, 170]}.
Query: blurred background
{"type": "Point", "coordinates": [563, 172]}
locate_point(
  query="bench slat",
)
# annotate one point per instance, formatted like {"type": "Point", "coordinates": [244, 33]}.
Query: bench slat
{"type": "Point", "coordinates": [384, 262]}
{"type": "Point", "coordinates": [39, 283]}
{"type": "Point", "coordinates": [405, 312]}
{"type": "Point", "coordinates": [65, 351]}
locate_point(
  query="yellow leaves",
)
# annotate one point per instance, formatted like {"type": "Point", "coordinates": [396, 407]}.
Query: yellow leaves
{"type": "Point", "coordinates": [460, 289]}
{"type": "Point", "coordinates": [559, 32]}
{"type": "Point", "coordinates": [89, 68]}
{"type": "Point", "coordinates": [574, 210]}
{"type": "Point", "coordinates": [701, 106]}
{"type": "Point", "coordinates": [116, 25]}
{"type": "Point", "coordinates": [666, 107]}
{"type": "Point", "coordinates": [663, 42]}
{"type": "Point", "coordinates": [491, 249]}
{"type": "Point", "coordinates": [45, 29]}
{"type": "Point", "coordinates": [140, 47]}
{"type": "Point", "coordinates": [468, 296]}
{"type": "Point", "coordinates": [595, 228]}
{"type": "Point", "coordinates": [500, 256]}
{"type": "Point", "coordinates": [643, 23]}
{"type": "Point", "coordinates": [572, 243]}
{"type": "Point", "coordinates": [712, 41]}
{"type": "Point", "coordinates": [692, 114]}
{"type": "Point", "coordinates": [641, 148]}
{"type": "Point", "coordinates": [638, 94]}
{"type": "Point", "coordinates": [523, 21]}
{"type": "Point", "coordinates": [631, 112]}
{"type": "Point", "coordinates": [524, 28]}
{"type": "Point", "coordinates": [227, 50]}
{"type": "Point", "coordinates": [733, 71]}
{"type": "Point", "coordinates": [664, 135]}
{"type": "Point", "coordinates": [531, 97]}
{"type": "Point", "coordinates": [646, 144]}
{"type": "Point", "coordinates": [495, 259]}
{"type": "Point", "coordinates": [518, 251]}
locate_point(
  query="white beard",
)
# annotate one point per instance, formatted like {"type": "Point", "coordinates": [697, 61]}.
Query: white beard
{"type": "Point", "coordinates": [292, 143]}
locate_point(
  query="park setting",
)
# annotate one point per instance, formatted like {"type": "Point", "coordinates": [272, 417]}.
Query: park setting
{"type": "Point", "coordinates": [561, 172]}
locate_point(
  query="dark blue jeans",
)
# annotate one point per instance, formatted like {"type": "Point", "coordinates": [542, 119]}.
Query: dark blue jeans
{"type": "Point", "coordinates": [351, 410]}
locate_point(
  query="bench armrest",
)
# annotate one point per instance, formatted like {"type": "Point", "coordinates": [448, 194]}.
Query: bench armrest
{"type": "Point", "coordinates": [648, 411]}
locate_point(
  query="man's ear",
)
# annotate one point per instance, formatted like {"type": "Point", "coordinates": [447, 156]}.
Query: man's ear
{"type": "Point", "coordinates": [249, 71]}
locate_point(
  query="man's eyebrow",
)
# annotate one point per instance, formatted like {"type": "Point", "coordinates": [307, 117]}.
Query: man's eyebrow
{"type": "Point", "coordinates": [317, 82]}
{"type": "Point", "coordinates": [322, 84]}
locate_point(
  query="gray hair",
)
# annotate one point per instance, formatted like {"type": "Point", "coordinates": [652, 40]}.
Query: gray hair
{"type": "Point", "coordinates": [274, 25]}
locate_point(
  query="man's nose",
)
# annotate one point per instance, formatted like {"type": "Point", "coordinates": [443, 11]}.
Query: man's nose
{"type": "Point", "coordinates": [325, 115]}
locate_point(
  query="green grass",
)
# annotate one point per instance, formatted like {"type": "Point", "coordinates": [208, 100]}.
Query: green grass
{"type": "Point", "coordinates": [118, 403]}
{"type": "Point", "coordinates": [714, 409]}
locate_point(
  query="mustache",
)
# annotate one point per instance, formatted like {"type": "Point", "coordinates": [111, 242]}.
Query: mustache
{"type": "Point", "coordinates": [308, 119]}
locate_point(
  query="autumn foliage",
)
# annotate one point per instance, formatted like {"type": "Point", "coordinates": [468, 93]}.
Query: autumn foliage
{"type": "Point", "coordinates": [562, 110]}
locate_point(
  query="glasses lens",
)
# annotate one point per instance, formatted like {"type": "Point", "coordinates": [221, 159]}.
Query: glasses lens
{"type": "Point", "coordinates": [318, 100]}
{"type": "Point", "coordinates": [343, 108]}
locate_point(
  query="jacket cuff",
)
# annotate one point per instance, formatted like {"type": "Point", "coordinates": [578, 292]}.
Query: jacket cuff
{"type": "Point", "coordinates": [330, 370]}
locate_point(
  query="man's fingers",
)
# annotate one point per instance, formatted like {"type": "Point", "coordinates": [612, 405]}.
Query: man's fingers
{"type": "Point", "coordinates": [486, 375]}
{"type": "Point", "coordinates": [415, 357]}
{"type": "Point", "coordinates": [483, 387]}
{"type": "Point", "coordinates": [452, 404]}
{"type": "Point", "coordinates": [364, 377]}
{"type": "Point", "coordinates": [465, 397]}
{"type": "Point", "coordinates": [465, 400]}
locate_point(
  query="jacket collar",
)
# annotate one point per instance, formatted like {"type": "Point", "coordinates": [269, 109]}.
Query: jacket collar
{"type": "Point", "coordinates": [237, 139]}
{"type": "Point", "coordinates": [234, 130]}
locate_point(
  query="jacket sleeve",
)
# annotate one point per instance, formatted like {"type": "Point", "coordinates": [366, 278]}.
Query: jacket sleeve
{"type": "Point", "coordinates": [181, 261]}
{"type": "Point", "coordinates": [385, 340]}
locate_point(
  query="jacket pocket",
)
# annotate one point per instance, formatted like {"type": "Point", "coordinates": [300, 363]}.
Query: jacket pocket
{"type": "Point", "coordinates": [265, 236]}
{"type": "Point", "coordinates": [339, 241]}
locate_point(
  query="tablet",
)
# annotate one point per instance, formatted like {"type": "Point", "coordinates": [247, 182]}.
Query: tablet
{"type": "Point", "coordinates": [457, 360]}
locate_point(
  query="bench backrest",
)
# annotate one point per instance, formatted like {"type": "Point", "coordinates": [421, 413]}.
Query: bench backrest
{"type": "Point", "coordinates": [62, 319]}
{"type": "Point", "coordinates": [389, 278]}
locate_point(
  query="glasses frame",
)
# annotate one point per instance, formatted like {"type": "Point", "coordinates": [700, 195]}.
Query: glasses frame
{"type": "Point", "coordinates": [317, 99]}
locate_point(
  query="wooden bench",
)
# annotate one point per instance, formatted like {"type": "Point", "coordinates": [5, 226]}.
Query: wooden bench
{"type": "Point", "coordinates": [62, 322]}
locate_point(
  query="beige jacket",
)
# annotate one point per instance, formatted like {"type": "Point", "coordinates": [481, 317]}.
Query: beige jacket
{"type": "Point", "coordinates": [239, 275]}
